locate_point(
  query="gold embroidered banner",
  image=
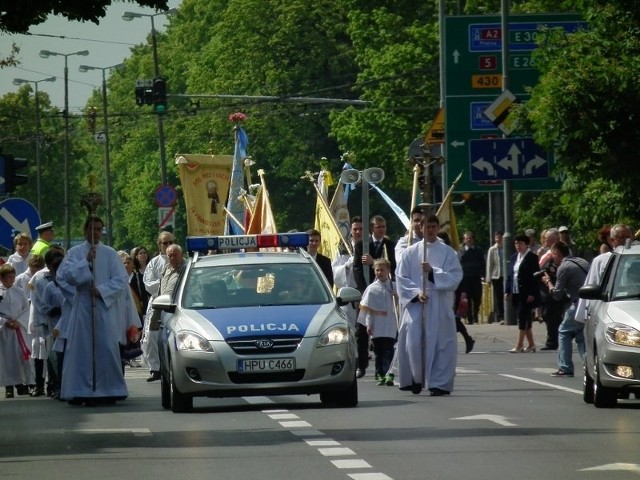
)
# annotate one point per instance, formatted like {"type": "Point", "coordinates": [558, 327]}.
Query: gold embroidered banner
{"type": "Point", "coordinates": [205, 183]}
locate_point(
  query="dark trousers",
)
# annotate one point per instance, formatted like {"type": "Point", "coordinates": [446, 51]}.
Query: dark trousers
{"type": "Point", "coordinates": [39, 371]}
{"type": "Point", "coordinates": [473, 288]}
{"type": "Point", "coordinates": [497, 289]}
{"type": "Point", "coordinates": [383, 350]}
{"type": "Point", "coordinates": [362, 339]}
{"type": "Point", "coordinates": [552, 314]}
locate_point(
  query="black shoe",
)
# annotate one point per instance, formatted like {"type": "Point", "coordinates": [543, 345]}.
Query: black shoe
{"type": "Point", "coordinates": [22, 389]}
{"type": "Point", "coordinates": [562, 373]}
{"type": "Point", "coordinates": [438, 392]}
{"type": "Point", "coordinates": [416, 388]}
{"type": "Point", "coordinates": [548, 347]}
{"type": "Point", "coordinates": [470, 342]}
{"type": "Point", "coordinates": [8, 392]}
{"type": "Point", "coordinates": [155, 375]}
{"type": "Point", "coordinates": [360, 372]}
{"type": "Point", "coordinates": [406, 388]}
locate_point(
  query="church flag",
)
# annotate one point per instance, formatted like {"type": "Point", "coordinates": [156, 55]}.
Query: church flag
{"type": "Point", "coordinates": [234, 204]}
{"type": "Point", "coordinates": [205, 184]}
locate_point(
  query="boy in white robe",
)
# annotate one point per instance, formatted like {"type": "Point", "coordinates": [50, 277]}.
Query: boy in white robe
{"type": "Point", "coordinates": [427, 346]}
{"type": "Point", "coordinates": [15, 356]}
{"type": "Point", "coordinates": [378, 313]}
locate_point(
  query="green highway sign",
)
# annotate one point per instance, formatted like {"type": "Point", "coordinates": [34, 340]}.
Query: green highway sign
{"type": "Point", "coordinates": [473, 81]}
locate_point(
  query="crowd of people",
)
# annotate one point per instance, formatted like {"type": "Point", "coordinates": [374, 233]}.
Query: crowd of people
{"type": "Point", "coordinates": [70, 321]}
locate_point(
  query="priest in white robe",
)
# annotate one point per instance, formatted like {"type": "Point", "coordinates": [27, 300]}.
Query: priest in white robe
{"type": "Point", "coordinates": [93, 374]}
{"type": "Point", "coordinates": [427, 343]}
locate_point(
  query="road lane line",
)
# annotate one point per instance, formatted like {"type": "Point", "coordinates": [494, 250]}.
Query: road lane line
{"type": "Point", "coordinates": [546, 384]}
{"type": "Point", "coordinates": [352, 463]}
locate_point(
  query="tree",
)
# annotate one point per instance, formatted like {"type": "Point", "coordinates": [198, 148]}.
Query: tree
{"type": "Point", "coordinates": [585, 109]}
{"type": "Point", "coordinates": [18, 16]}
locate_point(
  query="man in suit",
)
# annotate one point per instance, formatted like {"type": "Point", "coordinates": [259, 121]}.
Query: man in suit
{"type": "Point", "coordinates": [323, 262]}
{"type": "Point", "coordinates": [379, 246]}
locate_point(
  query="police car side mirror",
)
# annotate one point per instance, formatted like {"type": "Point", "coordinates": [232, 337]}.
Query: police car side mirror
{"type": "Point", "coordinates": [348, 295]}
{"type": "Point", "coordinates": [163, 303]}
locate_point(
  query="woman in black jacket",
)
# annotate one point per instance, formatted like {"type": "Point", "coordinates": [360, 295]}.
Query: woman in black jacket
{"type": "Point", "coordinates": [524, 291]}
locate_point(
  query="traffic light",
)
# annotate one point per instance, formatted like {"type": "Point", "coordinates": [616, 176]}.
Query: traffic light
{"type": "Point", "coordinates": [159, 95]}
{"type": "Point", "coordinates": [11, 178]}
{"type": "Point", "coordinates": [144, 92]}
{"type": "Point", "coordinates": [91, 119]}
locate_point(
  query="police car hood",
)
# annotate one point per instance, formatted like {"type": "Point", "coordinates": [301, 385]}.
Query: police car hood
{"type": "Point", "coordinates": [625, 311]}
{"type": "Point", "coordinates": [263, 321]}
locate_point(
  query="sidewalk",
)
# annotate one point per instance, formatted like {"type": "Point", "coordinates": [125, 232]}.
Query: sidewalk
{"type": "Point", "coordinates": [505, 333]}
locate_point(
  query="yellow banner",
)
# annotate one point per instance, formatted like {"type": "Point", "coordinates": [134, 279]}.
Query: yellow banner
{"type": "Point", "coordinates": [205, 183]}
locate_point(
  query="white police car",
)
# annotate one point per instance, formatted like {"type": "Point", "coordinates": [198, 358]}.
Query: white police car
{"type": "Point", "coordinates": [255, 323]}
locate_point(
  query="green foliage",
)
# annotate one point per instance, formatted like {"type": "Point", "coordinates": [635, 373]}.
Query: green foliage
{"type": "Point", "coordinates": [18, 16]}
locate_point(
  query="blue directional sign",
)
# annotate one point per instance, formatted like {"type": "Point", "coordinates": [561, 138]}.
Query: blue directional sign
{"type": "Point", "coordinates": [507, 159]}
{"type": "Point", "coordinates": [17, 215]}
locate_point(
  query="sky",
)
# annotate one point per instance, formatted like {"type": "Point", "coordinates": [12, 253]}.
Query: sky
{"type": "Point", "coordinates": [109, 43]}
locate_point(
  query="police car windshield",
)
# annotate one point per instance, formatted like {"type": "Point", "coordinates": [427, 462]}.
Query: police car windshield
{"type": "Point", "coordinates": [254, 285]}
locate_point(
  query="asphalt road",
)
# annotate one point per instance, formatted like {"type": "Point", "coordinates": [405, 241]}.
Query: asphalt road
{"type": "Point", "coordinates": [507, 418]}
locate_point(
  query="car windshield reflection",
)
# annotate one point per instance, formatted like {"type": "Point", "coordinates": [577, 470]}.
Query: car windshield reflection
{"type": "Point", "coordinates": [627, 280]}
{"type": "Point", "coordinates": [254, 285]}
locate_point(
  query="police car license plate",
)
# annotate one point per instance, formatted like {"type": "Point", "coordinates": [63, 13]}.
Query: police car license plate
{"type": "Point", "coordinates": [266, 365]}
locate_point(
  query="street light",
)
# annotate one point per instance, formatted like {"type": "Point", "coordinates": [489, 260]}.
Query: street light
{"type": "Point", "coordinates": [107, 162]}
{"type": "Point", "coordinates": [20, 81]}
{"type": "Point", "coordinates": [128, 16]}
{"type": "Point", "coordinates": [370, 176]}
{"type": "Point", "coordinates": [47, 54]}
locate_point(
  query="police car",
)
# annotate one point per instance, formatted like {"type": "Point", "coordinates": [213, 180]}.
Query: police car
{"type": "Point", "coordinates": [246, 322]}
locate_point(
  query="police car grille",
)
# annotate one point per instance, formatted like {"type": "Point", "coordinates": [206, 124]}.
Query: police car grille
{"type": "Point", "coordinates": [271, 377]}
{"type": "Point", "coordinates": [247, 346]}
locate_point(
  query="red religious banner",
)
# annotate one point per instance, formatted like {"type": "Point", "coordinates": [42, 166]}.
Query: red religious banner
{"type": "Point", "coordinates": [205, 182]}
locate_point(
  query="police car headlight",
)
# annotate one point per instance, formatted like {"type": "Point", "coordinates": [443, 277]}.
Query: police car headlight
{"type": "Point", "coordinates": [334, 336]}
{"type": "Point", "coordinates": [621, 334]}
{"type": "Point", "coordinates": [192, 342]}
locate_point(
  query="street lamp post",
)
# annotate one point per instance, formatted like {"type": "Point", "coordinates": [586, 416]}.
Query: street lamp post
{"type": "Point", "coordinates": [128, 16]}
{"type": "Point", "coordinates": [369, 176]}
{"type": "Point", "coordinates": [47, 54]}
{"type": "Point", "coordinates": [107, 161]}
{"type": "Point", "coordinates": [20, 81]}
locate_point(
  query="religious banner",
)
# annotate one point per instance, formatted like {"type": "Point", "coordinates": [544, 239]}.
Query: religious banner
{"type": "Point", "coordinates": [205, 182]}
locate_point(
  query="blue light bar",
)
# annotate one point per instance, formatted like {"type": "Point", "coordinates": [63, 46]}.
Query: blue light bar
{"type": "Point", "coordinates": [247, 242]}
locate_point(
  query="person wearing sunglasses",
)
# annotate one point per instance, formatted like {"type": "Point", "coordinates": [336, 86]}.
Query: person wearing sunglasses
{"type": "Point", "coordinates": [152, 277]}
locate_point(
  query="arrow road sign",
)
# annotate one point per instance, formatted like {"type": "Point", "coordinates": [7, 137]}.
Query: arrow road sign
{"type": "Point", "coordinates": [507, 159]}
{"type": "Point", "coordinates": [16, 214]}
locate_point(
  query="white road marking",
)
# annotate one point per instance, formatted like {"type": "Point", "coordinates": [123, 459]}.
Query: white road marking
{"type": "Point", "coordinates": [627, 467]}
{"type": "Point", "coordinates": [283, 416]}
{"type": "Point", "coordinates": [369, 476]}
{"type": "Point", "coordinates": [545, 384]}
{"type": "Point", "coordinates": [295, 424]}
{"type": "Point", "coordinates": [499, 419]}
{"type": "Point", "coordinates": [336, 452]}
{"type": "Point", "coordinates": [353, 463]}
{"type": "Point", "coordinates": [322, 443]}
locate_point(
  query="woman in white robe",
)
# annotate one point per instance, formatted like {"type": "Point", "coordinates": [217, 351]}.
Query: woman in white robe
{"type": "Point", "coordinates": [427, 343]}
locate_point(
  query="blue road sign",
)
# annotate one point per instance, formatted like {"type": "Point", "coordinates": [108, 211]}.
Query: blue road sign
{"type": "Point", "coordinates": [507, 159]}
{"type": "Point", "coordinates": [479, 121]}
{"type": "Point", "coordinates": [17, 215]}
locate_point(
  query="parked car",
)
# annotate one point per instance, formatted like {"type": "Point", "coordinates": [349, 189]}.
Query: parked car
{"type": "Point", "coordinates": [255, 323]}
{"type": "Point", "coordinates": [612, 331]}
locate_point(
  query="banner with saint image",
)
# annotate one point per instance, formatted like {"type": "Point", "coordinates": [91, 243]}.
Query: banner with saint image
{"type": "Point", "coordinates": [205, 183]}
